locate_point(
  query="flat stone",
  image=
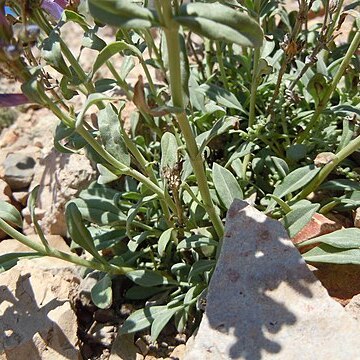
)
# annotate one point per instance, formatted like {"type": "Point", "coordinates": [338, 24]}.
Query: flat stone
{"type": "Point", "coordinates": [36, 318]}
{"type": "Point", "coordinates": [264, 303]}
{"type": "Point", "coordinates": [19, 170]}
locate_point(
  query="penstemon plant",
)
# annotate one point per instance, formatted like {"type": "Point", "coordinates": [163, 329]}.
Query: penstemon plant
{"type": "Point", "coordinates": [239, 114]}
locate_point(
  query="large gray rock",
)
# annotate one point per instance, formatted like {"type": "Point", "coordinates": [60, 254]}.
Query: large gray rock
{"type": "Point", "coordinates": [264, 303]}
{"type": "Point", "coordinates": [19, 170]}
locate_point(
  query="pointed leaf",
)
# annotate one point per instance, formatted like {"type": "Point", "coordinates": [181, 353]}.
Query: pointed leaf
{"type": "Point", "coordinates": [141, 319]}
{"type": "Point", "coordinates": [226, 185]}
{"type": "Point", "coordinates": [149, 278]}
{"type": "Point", "coordinates": [164, 239]}
{"type": "Point", "coordinates": [220, 22]}
{"type": "Point", "coordinates": [10, 214]}
{"type": "Point", "coordinates": [78, 232]}
{"type": "Point", "coordinates": [161, 320]}
{"type": "Point", "coordinates": [329, 254]}
{"type": "Point", "coordinates": [220, 96]}
{"type": "Point", "coordinates": [345, 239]}
{"type": "Point", "coordinates": [110, 50]}
{"type": "Point", "coordinates": [7, 261]}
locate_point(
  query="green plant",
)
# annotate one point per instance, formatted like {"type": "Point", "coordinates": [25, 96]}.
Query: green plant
{"type": "Point", "coordinates": [239, 115]}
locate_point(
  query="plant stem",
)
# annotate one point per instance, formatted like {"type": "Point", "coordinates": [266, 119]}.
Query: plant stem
{"type": "Point", "coordinates": [41, 249]}
{"type": "Point", "coordinates": [253, 90]}
{"type": "Point", "coordinates": [173, 47]}
{"type": "Point", "coordinates": [220, 60]}
{"type": "Point", "coordinates": [329, 91]}
{"type": "Point", "coordinates": [123, 168]}
{"type": "Point", "coordinates": [328, 168]}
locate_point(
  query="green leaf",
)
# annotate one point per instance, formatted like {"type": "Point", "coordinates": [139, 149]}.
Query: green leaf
{"type": "Point", "coordinates": [111, 50]}
{"type": "Point", "coordinates": [161, 320]}
{"type": "Point", "coordinates": [140, 292]}
{"type": "Point", "coordinates": [101, 212]}
{"type": "Point", "coordinates": [169, 151]}
{"type": "Point", "coordinates": [296, 152]}
{"type": "Point", "coordinates": [10, 214]}
{"type": "Point", "coordinates": [164, 240]}
{"type": "Point", "coordinates": [111, 136]}
{"type": "Point", "coordinates": [226, 185]}
{"type": "Point", "coordinates": [101, 292]}
{"type": "Point", "coordinates": [296, 219]}
{"type": "Point", "coordinates": [51, 53]}
{"type": "Point", "coordinates": [92, 41]}
{"type": "Point", "coordinates": [91, 100]}
{"type": "Point", "coordinates": [106, 176]}
{"type": "Point", "coordinates": [141, 319]}
{"type": "Point", "coordinates": [148, 278]}
{"type": "Point", "coordinates": [220, 127]}
{"type": "Point", "coordinates": [220, 96]}
{"type": "Point", "coordinates": [69, 15]}
{"type": "Point", "coordinates": [122, 13]}
{"type": "Point", "coordinates": [345, 239]}
{"type": "Point", "coordinates": [220, 22]}
{"type": "Point", "coordinates": [7, 261]}
{"type": "Point", "coordinates": [200, 267]}
{"type": "Point", "coordinates": [296, 180]}
{"type": "Point", "coordinates": [340, 185]}
{"type": "Point", "coordinates": [31, 203]}
{"type": "Point", "coordinates": [196, 241]}
{"type": "Point", "coordinates": [78, 232]}
{"type": "Point", "coordinates": [329, 254]}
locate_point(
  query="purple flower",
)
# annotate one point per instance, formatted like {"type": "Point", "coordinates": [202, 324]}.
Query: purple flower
{"type": "Point", "coordinates": [54, 7]}
{"type": "Point", "coordinates": [7, 100]}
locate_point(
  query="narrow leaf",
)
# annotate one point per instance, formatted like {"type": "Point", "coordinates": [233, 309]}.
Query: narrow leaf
{"type": "Point", "coordinates": [110, 50]}
{"type": "Point", "coordinates": [345, 239]}
{"type": "Point", "coordinates": [329, 254]}
{"type": "Point", "coordinates": [226, 185]}
{"type": "Point", "coordinates": [220, 22]}
{"type": "Point", "coordinates": [148, 278]}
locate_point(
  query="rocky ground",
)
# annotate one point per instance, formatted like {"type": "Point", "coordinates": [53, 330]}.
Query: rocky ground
{"type": "Point", "coordinates": [45, 306]}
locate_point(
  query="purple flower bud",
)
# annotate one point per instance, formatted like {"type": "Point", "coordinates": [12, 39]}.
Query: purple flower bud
{"type": "Point", "coordinates": [7, 100]}
{"type": "Point", "coordinates": [54, 7]}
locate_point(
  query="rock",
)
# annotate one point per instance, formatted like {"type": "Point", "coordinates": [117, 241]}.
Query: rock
{"type": "Point", "coordinates": [84, 290]}
{"type": "Point", "coordinates": [178, 353]}
{"type": "Point", "coordinates": [318, 225]}
{"type": "Point", "coordinates": [264, 303]}
{"type": "Point", "coordinates": [5, 191]}
{"type": "Point", "coordinates": [36, 318]}
{"type": "Point", "coordinates": [61, 178]}
{"type": "Point", "coordinates": [19, 170]}
{"type": "Point", "coordinates": [340, 280]}
{"type": "Point", "coordinates": [21, 197]}
{"type": "Point", "coordinates": [103, 334]}
{"type": "Point", "coordinates": [123, 348]}
{"type": "Point", "coordinates": [353, 308]}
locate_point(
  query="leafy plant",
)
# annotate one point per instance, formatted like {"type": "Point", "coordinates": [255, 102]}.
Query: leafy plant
{"type": "Point", "coordinates": [248, 108]}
